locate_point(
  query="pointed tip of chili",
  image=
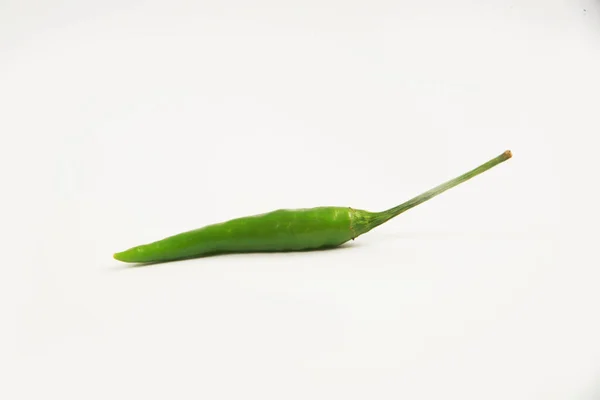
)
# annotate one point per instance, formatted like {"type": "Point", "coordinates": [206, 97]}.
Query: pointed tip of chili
{"type": "Point", "coordinates": [124, 256]}
{"type": "Point", "coordinates": [133, 255]}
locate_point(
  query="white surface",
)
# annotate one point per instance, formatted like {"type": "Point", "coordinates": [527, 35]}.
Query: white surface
{"type": "Point", "coordinates": [126, 121]}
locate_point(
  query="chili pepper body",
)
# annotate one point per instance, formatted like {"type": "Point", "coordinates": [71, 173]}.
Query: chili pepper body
{"type": "Point", "coordinates": [279, 230]}
{"type": "Point", "coordinates": [283, 229]}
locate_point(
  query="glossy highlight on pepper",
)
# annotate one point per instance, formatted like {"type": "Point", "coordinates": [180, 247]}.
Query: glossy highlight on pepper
{"type": "Point", "coordinates": [284, 229]}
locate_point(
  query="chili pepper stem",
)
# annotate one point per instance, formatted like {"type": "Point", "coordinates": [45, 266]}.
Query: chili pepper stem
{"type": "Point", "coordinates": [384, 216]}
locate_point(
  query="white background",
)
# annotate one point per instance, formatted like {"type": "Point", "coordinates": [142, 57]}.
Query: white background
{"type": "Point", "coordinates": [126, 121]}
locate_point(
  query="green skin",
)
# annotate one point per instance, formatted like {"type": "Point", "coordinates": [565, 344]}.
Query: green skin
{"type": "Point", "coordinates": [284, 230]}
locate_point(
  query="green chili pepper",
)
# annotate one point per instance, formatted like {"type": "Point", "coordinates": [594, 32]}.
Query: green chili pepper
{"type": "Point", "coordinates": [284, 230]}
